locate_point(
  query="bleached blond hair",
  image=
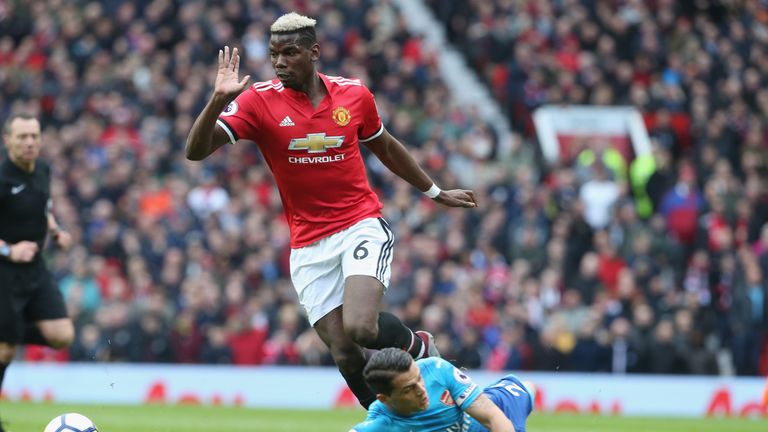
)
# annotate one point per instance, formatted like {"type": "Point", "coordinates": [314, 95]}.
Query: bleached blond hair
{"type": "Point", "coordinates": [292, 22]}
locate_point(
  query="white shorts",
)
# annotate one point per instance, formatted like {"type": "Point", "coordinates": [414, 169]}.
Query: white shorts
{"type": "Point", "coordinates": [318, 271]}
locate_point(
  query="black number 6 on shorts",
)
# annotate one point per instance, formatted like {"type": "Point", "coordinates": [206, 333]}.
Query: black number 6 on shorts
{"type": "Point", "coordinates": [360, 251]}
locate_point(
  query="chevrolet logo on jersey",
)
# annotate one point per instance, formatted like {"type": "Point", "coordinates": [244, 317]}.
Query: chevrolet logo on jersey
{"type": "Point", "coordinates": [316, 143]}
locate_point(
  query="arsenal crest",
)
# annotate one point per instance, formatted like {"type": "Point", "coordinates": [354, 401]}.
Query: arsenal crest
{"type": "Point", "coordinates": [446, 399]}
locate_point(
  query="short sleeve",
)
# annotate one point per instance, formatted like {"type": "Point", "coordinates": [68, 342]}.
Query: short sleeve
{"type": "Point", "coordinates": [463, 390]}
{"type": "Point", "coordinates": [241, 118]}
{"type": "Point", "coordinates": [371, 126]}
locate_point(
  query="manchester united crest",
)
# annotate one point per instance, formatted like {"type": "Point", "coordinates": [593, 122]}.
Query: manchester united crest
{"type": "Point", "coordinates": [341, 116]}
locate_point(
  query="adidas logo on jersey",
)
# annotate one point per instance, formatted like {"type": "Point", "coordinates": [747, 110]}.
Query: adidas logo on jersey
{"type": "Point", "coordinates": [287, 122]}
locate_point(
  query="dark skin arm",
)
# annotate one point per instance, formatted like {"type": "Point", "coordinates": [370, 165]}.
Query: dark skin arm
{"type": "Point", "coordinates": [395, 156]}
{"type": "Point", "coordinates": [206, 136]}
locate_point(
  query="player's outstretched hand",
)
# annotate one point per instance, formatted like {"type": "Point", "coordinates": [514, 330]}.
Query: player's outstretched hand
{"type": "Point", "coordinates": [228, 83]}
{"type": "Point", "coordinates": [457, 198]}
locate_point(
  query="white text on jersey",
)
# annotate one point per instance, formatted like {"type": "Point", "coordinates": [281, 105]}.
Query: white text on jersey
{"type": "Point", "coordinates": [316, 159]}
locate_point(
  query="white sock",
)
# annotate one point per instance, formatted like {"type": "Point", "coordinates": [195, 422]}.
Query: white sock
{"type": "Point", "coordinates": [410, 347]}
{"type": "Point", "coordinates": [422, 350]}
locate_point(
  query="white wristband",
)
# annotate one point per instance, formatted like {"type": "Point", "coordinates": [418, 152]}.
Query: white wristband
{"type": "Point", "coordinates": [433, 191]}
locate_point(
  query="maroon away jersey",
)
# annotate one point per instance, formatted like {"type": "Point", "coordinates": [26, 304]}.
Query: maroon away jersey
{"type": "Point", "coordinates": [313, 152]}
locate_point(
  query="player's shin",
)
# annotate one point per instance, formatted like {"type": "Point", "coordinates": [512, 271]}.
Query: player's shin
{"type": "Point", "coordinates": [393, 333]}
{"type": "Point", "coordinates": [357, 384]}
{"type": "Point", "coordinates": [3, 367]}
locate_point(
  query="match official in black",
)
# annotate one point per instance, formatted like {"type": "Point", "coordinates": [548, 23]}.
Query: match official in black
{"type": "Point", "coordinates": [32, 309]}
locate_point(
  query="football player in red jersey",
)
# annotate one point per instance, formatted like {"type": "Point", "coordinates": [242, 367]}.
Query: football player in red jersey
{"type": "Point", "coordinates": [308, 127]}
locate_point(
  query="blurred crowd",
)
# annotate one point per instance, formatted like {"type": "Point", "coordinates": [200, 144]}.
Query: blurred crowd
{"type": "Point", "coordinates": [589, 265]}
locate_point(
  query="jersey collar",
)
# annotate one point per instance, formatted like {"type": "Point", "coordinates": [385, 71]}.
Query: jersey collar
{"type": "Point", "coordinates": [12, 167]}
{"type": "Point", "coordinates": [301, 96]}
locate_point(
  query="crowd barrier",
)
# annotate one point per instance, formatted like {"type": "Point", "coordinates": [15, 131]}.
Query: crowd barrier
{"type": "Point", "coordinates": [323, 388]}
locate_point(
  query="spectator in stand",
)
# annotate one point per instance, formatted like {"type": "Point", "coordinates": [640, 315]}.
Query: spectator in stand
{"type": "Point", "coordinates": [208, 197]}
{"type": "Point", "coordinates": [681, 205]}
{"type": "Point", "coordinates": [90, 346]}
{"type": "Point", "coordinates": [468, 354]}
{"type": "Point", "coordinates": [666, 358]}
{"type": "Point", "coordinates": [591, 353]}
{"type": "Point", "coordinates": [599, 194]}
{"type": "Point", "coordinates": [215, 350]}
{"type": "Point", "coordinates": [150, 343]}
{"type": "Point", "coordinates": [587, 282]}
{"type": "Point", "coordinates": [80, 289]}
{"type": "Point", "coordinates": [186, 339]}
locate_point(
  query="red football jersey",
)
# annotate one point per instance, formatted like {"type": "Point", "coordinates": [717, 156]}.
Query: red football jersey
{"type": "Point", "coordinates": [313, 152]}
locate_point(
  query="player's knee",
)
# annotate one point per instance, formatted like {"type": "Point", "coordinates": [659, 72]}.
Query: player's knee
{"type": "Point", "coordinates": [62, 336]}
{"type": "Point", "coordinates": [363, 335]}
{"type": "Point", "coordinates": [7, 351]}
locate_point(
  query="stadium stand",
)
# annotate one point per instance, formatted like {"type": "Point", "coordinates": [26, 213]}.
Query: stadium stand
{"type": "Point", "coordinates": [182, 262]}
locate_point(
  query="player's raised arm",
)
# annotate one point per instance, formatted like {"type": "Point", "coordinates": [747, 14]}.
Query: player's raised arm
{"type": "Point", "coordinates": [395, 156]}
{"type": "Point", "coordinates": [489, 415]}
{"type": "Point", "coordinates": [205, 136]}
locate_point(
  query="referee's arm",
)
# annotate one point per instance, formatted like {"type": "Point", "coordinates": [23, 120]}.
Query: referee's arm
{"type": "Point", "coordinates": [21, 252]}
{"type": "Point", "coordinates": [62, 238]}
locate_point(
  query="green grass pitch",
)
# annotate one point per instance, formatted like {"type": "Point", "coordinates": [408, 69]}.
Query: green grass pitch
{"type": "Point", "coordinates": [32, 417]}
